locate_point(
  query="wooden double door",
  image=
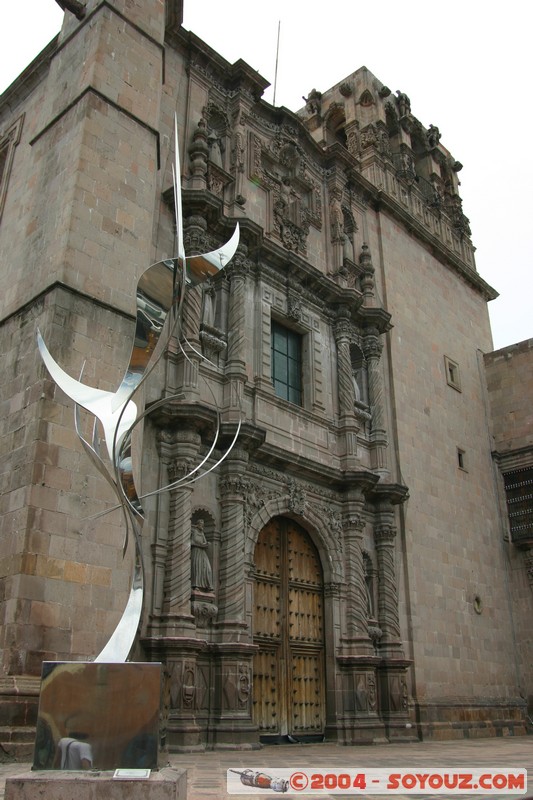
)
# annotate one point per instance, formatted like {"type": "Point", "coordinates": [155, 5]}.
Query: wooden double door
{"type": "Point", "coordinates": [288, 625]}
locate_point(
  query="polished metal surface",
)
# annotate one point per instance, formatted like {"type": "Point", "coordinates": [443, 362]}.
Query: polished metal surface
{"type": "Point", "coordinates": [160, 293]}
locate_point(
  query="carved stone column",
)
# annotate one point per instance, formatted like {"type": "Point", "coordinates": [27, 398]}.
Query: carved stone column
{"type": "Point", "coordinates": [347, 419]}
{"type": "Point", "coordinates": [231, 596]}
{"type": "Point", "coordinates": [394, 693]}
{"type": "Point", "coordinates": [342, 332]}
{"type": "Point", "coordinates": [372, 348]}
{"type": "Point", "coordinates": [357, 638]}
{"type": "Point", "coordinates": [234, 648]}
{"type": "Point", "coordinates": [195, 242]}
{"type": "Point", "coordinates": [360, 722]}
{"type": "Point", "coordinates": [177, 617]}
{"type": "Point", "coordinates": [388, 614]}
{"type": "Point", "coordinates": [237, 272]}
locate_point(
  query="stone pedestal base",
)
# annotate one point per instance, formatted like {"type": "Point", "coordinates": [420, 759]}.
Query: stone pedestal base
{"type": "Point", "coordinates": [166, 784]}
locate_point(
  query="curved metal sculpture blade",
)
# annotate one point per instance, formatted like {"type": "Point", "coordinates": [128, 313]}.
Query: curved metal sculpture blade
{"type": "Point", "coordinates": [160, 295]}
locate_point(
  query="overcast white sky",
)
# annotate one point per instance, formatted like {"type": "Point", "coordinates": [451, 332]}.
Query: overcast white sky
{"type": "Point", "coordinates": [465, 64]}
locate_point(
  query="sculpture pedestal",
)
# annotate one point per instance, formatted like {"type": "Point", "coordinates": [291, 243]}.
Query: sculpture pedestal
{"type": "Point", "coordinates": [165, 784]}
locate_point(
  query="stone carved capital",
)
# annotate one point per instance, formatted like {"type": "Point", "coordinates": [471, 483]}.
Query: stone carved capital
{"type": "Point", "coordinates": [372, 345]}
{"type": "Point", "coordinates": [179, 467]}
{"type": "Point", "coordinates": [384, 534]}
{"type": "Point", "coordinates": [343, 329]}
{"type": "Point", "coordinates": [354, 522]}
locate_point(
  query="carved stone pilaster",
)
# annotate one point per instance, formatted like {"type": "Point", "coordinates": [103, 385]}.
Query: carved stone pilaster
{"type": "Point", "coordinates": [528, 555]}
{"type": "Point", "coordinates": [372, 348]}
{"type": "Point", "coordinates": [388, 613]}
{"type": "Point", "coordinates": [237, 272]}
{"type": "Point", "coordinates": [232, 578]}
{"type": "Point", "coordinates": [186, 693]}
{"type": "Point", "coordinates": [177, 581]}
{"type": "Point", "coordinates": [342, 331]}
{"type": "Point", "coordinates": [195, 241]}
{"type": "Point", "coordinates": [357, 637]}
{"type": "Point", "coordinates": [394, 698]}
{"type": "Point", "coordinates": [360, 721]}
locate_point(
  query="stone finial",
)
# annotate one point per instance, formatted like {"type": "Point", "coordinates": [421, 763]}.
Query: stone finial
{"type": "Point", "coordinates": [199, 152]}
{"type": "Point", "coordinates": [367, 275]}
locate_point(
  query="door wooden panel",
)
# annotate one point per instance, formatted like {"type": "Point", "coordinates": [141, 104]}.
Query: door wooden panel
{"type": "Point", "coordinates": [288, 682]}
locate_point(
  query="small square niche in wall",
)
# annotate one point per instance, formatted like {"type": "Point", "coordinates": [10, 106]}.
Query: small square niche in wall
{"type": "Point", "coordinates": [453, 377]}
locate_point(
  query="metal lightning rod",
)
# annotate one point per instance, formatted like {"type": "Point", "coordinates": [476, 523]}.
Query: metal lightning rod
{"type": "Point", "coordinates": [276, 70]}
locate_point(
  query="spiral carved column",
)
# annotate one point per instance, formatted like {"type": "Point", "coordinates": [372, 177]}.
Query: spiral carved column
{"type": "Point", "coordinates": [358, 662]}
{"type": "Point", "coordinates": [195, 239]}
{"type": "Point", "coordinates": [394, 691]}
{"type": "Point", "coordinates": [388, 615]}
{"type": "Point", "coordinates": [357, 637]}
{"type": "Point", "coordinates": [348, 423]}
{"type": "Point", "coordinates": [232, 578]}
{"type": "Point", "coordinates": [237, 273]}
{"type": "Point", "coordinates": [372, 348]}
{"type": "Point", "coordinates": [177, 615]}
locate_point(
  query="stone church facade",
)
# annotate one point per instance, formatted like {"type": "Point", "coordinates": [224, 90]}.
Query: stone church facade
{"type": "Point", "coordinates": [344, 573]}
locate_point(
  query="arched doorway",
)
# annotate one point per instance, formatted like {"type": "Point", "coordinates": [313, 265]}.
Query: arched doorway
{"type": "Point", "coordinates": [288, 628]}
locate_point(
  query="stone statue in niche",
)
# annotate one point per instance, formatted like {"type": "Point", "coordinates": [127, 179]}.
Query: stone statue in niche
{"type": "Point", "coordinates": [355, 380]}
{"type": "Point", "coordinates": [215, 148]}
{"type": "Point", "coordinates": [209, 304]}
{"type": "Point", "coordinates": [349, 228]}
{"type": "Point", "coordinates": [285, 196]}
{"type": "Point", "coordinates": [337, 220]}
{"type": "Point", "coordinates": [201, 571]}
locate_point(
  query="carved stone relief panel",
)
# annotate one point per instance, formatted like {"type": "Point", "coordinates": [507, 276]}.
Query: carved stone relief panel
{"type": "Point", "coordinates": [280, 167]}
{"type": "Point", "coordinates": [237, 687]}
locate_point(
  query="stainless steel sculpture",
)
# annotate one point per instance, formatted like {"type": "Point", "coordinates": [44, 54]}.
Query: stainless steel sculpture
{"type": "Point", "coordinates": [160, 294]}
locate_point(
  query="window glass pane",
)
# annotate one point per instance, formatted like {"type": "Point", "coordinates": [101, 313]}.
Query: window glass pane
{"type": "Point", "coordinates": [280, 339]}
{"type": "Point", "coordinates": [294, 373]}
{"type": "Point", "coordinates": [286, 363]}
{"type": "Point", "coordinates": [280, 367]}
{"type": "Point", "coordinates": [294, 345]}
{"type": "Point", "coordinates": [281, 389]}
{"type": "Point", "coordinates": [295, 396]}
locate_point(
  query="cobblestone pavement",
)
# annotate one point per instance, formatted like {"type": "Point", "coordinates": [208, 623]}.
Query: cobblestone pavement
{"type": "Point", "coordinates": [206, 772]}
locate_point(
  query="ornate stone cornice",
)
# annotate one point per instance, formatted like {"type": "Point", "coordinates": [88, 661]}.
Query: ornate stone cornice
{"type": "Point", "coordinates": [174, 416]}
{"type": "Point", "coordinates": [391, 494]}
